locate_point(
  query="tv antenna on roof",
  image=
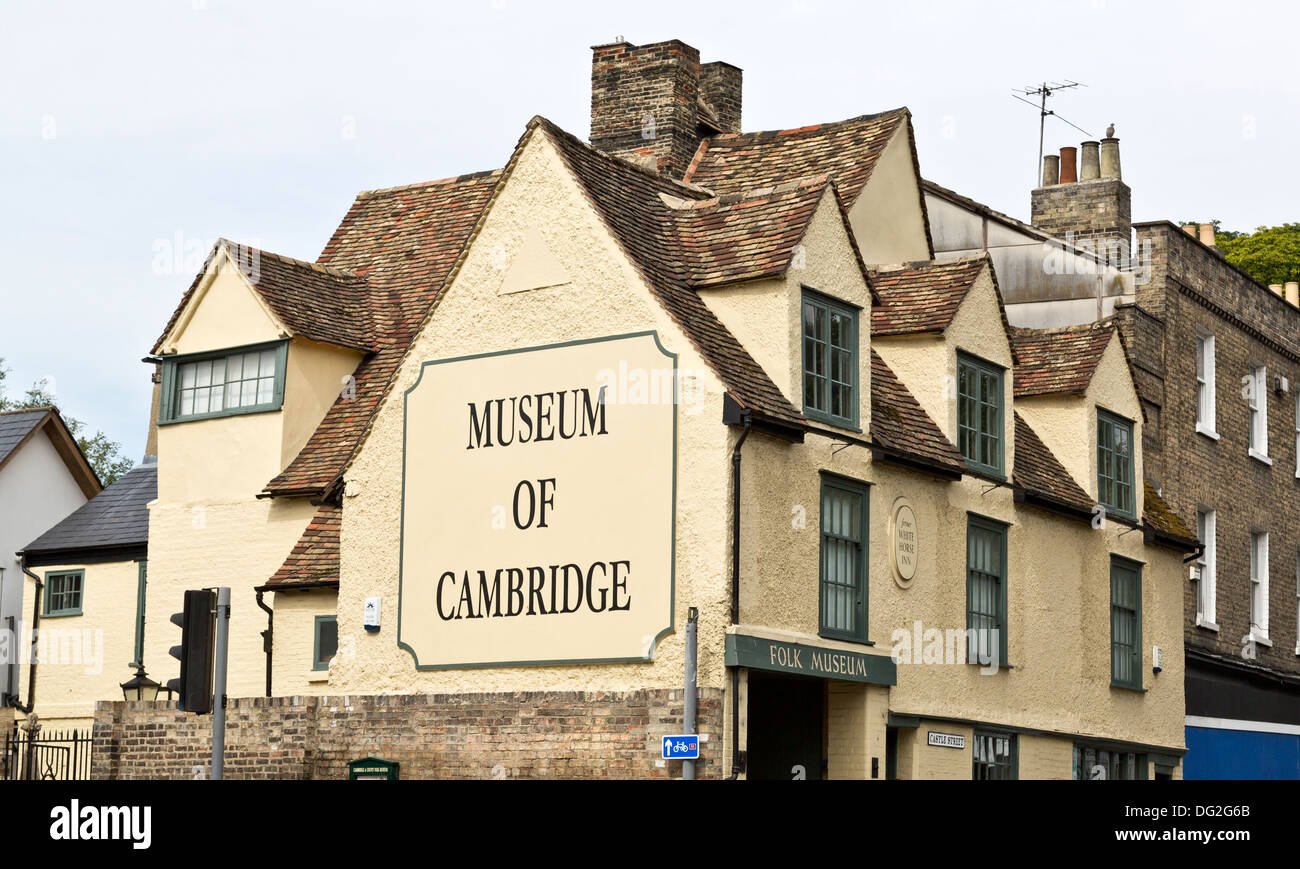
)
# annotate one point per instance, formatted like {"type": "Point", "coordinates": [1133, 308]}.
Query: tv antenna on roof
{"type": "Point", "coordinates": [1043, 91]}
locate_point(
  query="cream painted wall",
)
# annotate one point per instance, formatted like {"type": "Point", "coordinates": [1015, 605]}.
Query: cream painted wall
{"type": "Point", "coordinates": [224, 312]}
{"type": "Point", "coordinates": [604, 297]}
{"type": "Point", "coordinates": [1067, 424]}
{"type": "Point", "coordinates": [886, 217]}
{"type": "Point", "coordinates": [85, 656]}
{"type": "Point", "coordinates": [754, 311]}
{"type": "Point", "coordinates": [295, 634]}
{"type": "Point", "coordinates": [313, 379]}
{"type": "Point", "coordinates": [927, 364]}
{"type": "Point", "coordinates": [238, 543]}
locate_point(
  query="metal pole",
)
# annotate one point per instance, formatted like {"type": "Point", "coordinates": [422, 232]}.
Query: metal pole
{"type": "Point", "coordinates": [219, 684]}
{"type": "Point", "coordinates": [692, 695]}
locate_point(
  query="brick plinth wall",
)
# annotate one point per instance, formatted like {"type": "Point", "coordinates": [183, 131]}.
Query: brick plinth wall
{"type": "Point", "coordinates": [483, 736]}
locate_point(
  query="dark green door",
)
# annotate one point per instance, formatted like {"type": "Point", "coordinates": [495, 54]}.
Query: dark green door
{"type": "Point", "coordinates": [785, 728]}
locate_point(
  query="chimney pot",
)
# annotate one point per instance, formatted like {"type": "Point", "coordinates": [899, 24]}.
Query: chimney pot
{"type": "Point", "coordinates": [1090, 165]}
{"type": "Point", "coordinates": [1110, 158]}
{"type": "Point", "coordinates": [1277, 289]}
{"type": "Point", "coordinates": [1293, 293]}
{"type": "Point", "coordinates": [1051, 170]}
{"type": "Point", "coordinates": [1069, 175]}
{"type": "Point", "coordinates": [1190, 229]}
{"type": "Point", "coordinates": [1207, 234]}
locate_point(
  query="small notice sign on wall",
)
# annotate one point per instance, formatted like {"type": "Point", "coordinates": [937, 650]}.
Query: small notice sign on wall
{"type": "Point", "coordinates": [946, 740]}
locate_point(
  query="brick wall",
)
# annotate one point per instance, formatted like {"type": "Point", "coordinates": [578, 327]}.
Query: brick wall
{"type": "Point", "coordinates": [1194, 288]}
{"type": "Point", "coordinates": [506, 735]}
{"type": "Point", "coordinates": [1098, 213]}
{"type": "Point", "coordinates": [632, 86]}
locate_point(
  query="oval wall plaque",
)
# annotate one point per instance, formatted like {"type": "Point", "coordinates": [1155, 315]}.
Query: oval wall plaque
{"type": "Point", "coordinates": [903, 542]}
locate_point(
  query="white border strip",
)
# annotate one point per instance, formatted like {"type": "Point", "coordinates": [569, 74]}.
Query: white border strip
{"type": "Point", "coordinates": [1238, 724]}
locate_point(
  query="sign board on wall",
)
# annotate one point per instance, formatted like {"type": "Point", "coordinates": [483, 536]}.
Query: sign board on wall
{"type": "Point", "coordinates": [946, 740]}
{"type": "Point", "coordinates": [538, 498]}
{"type": "Point", "coordinates": [903, 542]}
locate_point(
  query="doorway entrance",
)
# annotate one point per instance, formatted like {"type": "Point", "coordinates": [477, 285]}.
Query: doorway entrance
{"type": "Point", "coordinates": [786, 727]}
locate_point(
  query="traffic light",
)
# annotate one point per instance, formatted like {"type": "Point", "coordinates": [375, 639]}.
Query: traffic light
{"type": "Point", "coordinates": [198, 631]}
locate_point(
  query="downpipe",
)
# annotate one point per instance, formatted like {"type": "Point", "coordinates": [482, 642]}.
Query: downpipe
{"type": "Point", "coordinates": [748, 418]}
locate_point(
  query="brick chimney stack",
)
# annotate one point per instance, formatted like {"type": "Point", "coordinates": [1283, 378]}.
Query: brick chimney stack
{"type": "Point", "coordinates": [653, 103]}
{"type": "Point", "coordinates": [1092, 211]}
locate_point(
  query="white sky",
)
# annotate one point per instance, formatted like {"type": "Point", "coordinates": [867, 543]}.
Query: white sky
{"type": "Point", "coordinates": [125, 127]}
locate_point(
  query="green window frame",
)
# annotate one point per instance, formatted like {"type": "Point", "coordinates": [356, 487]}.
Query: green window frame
{"type": "Point", "coordinates": [842, 597]}
{"type": "Point", "coordinates": [325, 643]}
{"type": "Point", "coordinates": [1125, 623]}
{"type": "Point", "coordinates": [1115, 488]}
{"type": "Point", "coordinates": [995, 756]}
{"type": "Point", "coordinates": [229, 382]}
{"type": "Point", "coordinates": [986, 589]}
{"type": "Point", "coordinates": [64, 593]}
{"type": "Point", "coordinates": [830, 360]}
{"type": "Point", "coordinates": [1116, 764]}
{"type": "Point", "coordinates": [980, 414]}
{"type": "Point", "coordinates": [141, 579]}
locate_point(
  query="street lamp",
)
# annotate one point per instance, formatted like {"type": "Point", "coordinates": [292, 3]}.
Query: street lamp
{"type": "Point", "coordinates": [140, 687]}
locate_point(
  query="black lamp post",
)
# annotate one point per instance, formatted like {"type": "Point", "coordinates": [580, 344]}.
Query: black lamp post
{"type": "Point", "coordinates": [140, 687]}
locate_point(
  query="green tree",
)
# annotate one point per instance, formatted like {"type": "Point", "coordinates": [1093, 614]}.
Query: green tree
{"type": "Point", "coordinates": [1270, 254]}
{"type": "Point", "coordinates": [103, 454]}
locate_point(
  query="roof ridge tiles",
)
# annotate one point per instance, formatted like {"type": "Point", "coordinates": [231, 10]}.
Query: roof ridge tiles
{"type": "Point", "coordinates": [453, 179]}
{"type": "Point", "coordinates": [811, 128]}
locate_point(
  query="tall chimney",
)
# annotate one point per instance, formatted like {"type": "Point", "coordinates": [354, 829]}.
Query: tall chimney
{"type": "Point", "coordinates": [720, 89]}
{"type": "Point", "coordinates": [1068, 173]}
{"type": "Point", "coordinates": [1051, 170]}
{"type": "Point", "coordinates": [1090, 167]}
{"type": "Point", "coordinates": [1190, 229]}
{"type": "Point", "coordinates": [1110, 158]}
{"type": "Point", "coordinates": [1277, 289]}
{"type": "Point", "coordinates": [1293, 292]}
{"type": "Point", "coordinates": [1096, 216]}
{"type": "Point", "coordinates": [645, 102]}
{"type": "Point", "coordinates": [1207, 234]}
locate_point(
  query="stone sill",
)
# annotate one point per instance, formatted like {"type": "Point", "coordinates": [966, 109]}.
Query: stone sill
{"type": "Point", "coordinates": [1209, 433]}
{"type": "Point", "coordinates": [1208, 625]}
{"type": "Point", "coordinates": [1261, 457]}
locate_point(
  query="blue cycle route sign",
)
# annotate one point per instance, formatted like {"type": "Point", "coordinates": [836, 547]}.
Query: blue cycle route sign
{"type": "Point", "coordinates": [684, 747]}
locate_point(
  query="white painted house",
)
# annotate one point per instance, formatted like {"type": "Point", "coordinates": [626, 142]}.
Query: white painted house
{"type": "Point", "coordinates": [43, 478]}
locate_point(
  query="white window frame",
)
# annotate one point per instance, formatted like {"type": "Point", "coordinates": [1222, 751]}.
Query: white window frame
{"type": "Point", "coordinates": [1207, 569]}
{"type": "Point", "coordinates": [1206, 399]}
{"type": "Point", "coordinates": [1297, 436]}
{"type": "Point", "coordinates": [1258, 401]}
{"type": "Point", "coordinates": [1259, 587]}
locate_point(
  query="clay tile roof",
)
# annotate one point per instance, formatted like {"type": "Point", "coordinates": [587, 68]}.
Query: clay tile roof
{"type": "Point", "coordinates": [314, 559]}
{"type": "Point", "coordinates": [922, 297]}
{"type": "Point", "coordinates": [404, 242]}
{"type": "Point", "coordinates": [628, 199]}
{"type": "Point", "coordinates": [1158, 514]}
{"type": "Point", "coordinates": [744, 236]}
{"type": "Point", "coordinates": [847, 150]}
{"type": "Point", "coordinates": [1062, 360]}
{"type": "Point", "coordinates": [1038, 471]}
{"type": "Point", "coordinates": [901, 425]}
{"type": "Point", "coordinates": [314, 301]}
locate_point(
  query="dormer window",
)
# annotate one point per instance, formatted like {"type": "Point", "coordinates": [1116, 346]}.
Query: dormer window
{"type": "Point", "coordinates": [223, 383]}
{"type": "Point", "coordinates": [830, 360]}
{"type": "Point", "coordinates": [1115, 464]}
{"type": "Point", "coordinates": [979, 414]}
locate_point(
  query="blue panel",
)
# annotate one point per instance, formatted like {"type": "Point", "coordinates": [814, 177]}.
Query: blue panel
{"type": "Point", "coordinates": [1241, 754]}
